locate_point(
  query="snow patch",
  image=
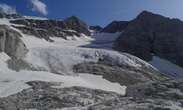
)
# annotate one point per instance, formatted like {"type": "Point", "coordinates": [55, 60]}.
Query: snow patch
{"type": "Point", "coordinates": [167, 67]}
{"type": "Point", "coordinates": [13, 82]}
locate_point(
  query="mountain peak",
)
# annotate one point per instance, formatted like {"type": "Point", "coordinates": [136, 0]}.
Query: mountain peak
{"type": "Point", "coordinates": [74, 22]}
{"type": "Point", "coordinates": [115, 26]}
{"type": "Point", "coordinates": [145, 12]}
{"type": "Point", "coordinates": [148, 14]}
{"type": "Point", "coordinates": [73, 18]}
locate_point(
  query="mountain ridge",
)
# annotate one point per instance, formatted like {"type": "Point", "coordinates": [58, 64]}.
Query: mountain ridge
{"type": "Point", "coordinates": [152, 34]}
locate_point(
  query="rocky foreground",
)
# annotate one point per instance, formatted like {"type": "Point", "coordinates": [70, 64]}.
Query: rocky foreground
{"type": "Point", "coordinates": [165, 95]}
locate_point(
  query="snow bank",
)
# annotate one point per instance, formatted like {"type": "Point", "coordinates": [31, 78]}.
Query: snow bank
{"type": "Point", "coordinates": [14, 82]}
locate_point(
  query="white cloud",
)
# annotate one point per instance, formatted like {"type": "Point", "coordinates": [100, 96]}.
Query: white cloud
{"type": "Point", "coordinates": [7, 9]}
{"type": "Point", "coordinates": [39, 6]}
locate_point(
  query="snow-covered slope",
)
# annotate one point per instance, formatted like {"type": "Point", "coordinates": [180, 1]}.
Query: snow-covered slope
{"type": "Point", "coordinates": [167, 67]}
{"type": "Point", "coordinates": [59, 57]}
{"type": "Point", "coordinates": [12, 82]}
{"type": "Point", "coordinates": [103, 40]}
{"type": "Point", "coordinates": [63, 54]}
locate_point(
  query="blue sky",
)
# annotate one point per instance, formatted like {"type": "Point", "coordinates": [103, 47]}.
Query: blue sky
{"type": "Point", "coordinates": [94, 12]}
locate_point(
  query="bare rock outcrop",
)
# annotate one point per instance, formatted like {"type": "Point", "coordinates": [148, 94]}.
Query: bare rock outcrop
{"type": "Point", "coordinates": [115, 26]}
{"type": "Point", "coordinates": [71, 26]}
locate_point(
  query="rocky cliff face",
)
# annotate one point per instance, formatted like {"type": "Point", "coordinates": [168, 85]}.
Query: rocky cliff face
{"type": "Point", "coordinates": [115, 26]}
{"type": "Point", "coordinates": [72, 26]}
{"type": "Point", "coordinates": [74, 23]}
{"type": "Point", "coordinates": [10, 43]}
{"type": "Point", "coordinates": [150, 34]}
